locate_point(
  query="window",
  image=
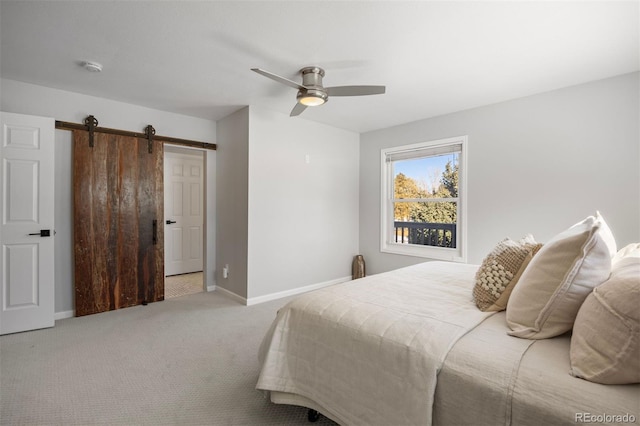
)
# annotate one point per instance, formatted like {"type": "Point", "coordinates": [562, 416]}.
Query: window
{"type": "Point", "coordinates": [423, 199]}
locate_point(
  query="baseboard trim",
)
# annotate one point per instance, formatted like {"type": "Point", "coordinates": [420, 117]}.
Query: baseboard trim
{"type": "Point", "coordinates": [64, 315]}
{"type": "Point", "coordinates": [280, 294]}
{"type": "Point", "coordinates": [248, 302]}
{"type": "Point", "coordinates": [231, 295]}
{"type": "Point", "coordinates": [294, 291]}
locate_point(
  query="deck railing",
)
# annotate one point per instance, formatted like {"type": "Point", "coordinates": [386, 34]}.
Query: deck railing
{"type": "Point", "coordinates": [427, 234]}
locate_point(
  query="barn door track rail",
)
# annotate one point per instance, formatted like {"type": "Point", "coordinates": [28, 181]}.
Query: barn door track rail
{"type": "Point", "coordinates": [91, 126]}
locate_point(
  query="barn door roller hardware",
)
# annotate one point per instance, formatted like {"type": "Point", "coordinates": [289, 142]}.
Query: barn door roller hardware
{"type": "Point", "coordinates": [91, 125]}
{"type": "Point", "coordinates": [150, 132]}
{"type": "Point", "coordinates": [91, 122]}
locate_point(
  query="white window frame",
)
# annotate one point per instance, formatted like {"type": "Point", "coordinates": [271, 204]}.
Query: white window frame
{"type": "Point", "coordinates": [387, 240]}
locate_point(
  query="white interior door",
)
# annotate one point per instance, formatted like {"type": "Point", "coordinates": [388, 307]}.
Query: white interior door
{"type": "Point", "coordinates": [183, 212]}
{"type": "Point", "coordinates": [26, 205]}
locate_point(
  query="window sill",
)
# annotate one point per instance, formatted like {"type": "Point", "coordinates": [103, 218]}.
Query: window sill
{"type": "Point", "coordinates": [438, 253]}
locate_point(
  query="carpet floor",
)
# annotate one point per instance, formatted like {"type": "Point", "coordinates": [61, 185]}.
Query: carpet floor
{"type": "Point", "coordinates": [190, 360]}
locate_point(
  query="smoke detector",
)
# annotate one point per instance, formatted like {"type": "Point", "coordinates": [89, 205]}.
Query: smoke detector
{"type": "Point", "coordinates": [92, 66]}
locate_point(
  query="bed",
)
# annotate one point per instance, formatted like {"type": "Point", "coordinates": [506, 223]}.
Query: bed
{"type": "Point", "coordinates": [412, 347]}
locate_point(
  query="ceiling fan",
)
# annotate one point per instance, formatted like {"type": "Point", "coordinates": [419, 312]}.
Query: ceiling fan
{"type": "Point", "coordinates": [312, 93]}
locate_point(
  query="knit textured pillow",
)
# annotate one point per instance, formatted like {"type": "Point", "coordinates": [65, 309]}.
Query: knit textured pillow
{"type": "Point", "coordinates": [501, 270]}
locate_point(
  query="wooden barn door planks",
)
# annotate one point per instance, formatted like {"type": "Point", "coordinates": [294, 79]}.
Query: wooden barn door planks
{"type": "Point", "coordinates": [118, 194]}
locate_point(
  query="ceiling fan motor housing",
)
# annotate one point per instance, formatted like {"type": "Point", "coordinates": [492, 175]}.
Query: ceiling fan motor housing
{"type": "Point", "coordinates": [312, 76]}
{"type": "Point", "coordinates": [312, 80]}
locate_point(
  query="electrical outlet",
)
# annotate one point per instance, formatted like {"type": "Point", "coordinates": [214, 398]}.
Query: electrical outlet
{"type": "Point", "coordinates": [225, 271]}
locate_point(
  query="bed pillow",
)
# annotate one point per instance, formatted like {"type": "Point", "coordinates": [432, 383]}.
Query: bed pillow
{"type": "Point", "coordinates": [628, 253]}
{"type": "Point", "coordinates": [547, 298]}
{"type": "Point", "coordinates": [500, 271]}
{"type": "Point", "coordinates": [605, 345]}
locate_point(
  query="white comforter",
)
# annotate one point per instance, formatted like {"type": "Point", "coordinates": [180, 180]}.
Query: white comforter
{"type": "Point", "coordinates": [490, 378]}
{"type": "Point", "coordinates": [369, 351]}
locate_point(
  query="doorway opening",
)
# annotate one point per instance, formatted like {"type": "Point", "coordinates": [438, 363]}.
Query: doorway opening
{"type": "Point", "coordinates": [183, 284]}
{"type": "Point", "coordinates": [184, 201]}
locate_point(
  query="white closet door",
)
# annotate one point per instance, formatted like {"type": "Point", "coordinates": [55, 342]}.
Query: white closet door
{"type": "Point", "coordinates": [26, 230]}
{"type": "Point", "coordinates": [183, 212]}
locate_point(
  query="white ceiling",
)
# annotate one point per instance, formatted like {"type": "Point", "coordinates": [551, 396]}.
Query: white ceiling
{"type": "Point", "coordinates": [435, 57]}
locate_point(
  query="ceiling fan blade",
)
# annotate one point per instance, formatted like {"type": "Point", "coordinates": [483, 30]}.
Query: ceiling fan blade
{"type": "Point", "coordinates": [297, 110]}
{"type": "Point", "coordinates": [355, 90]}
{"type": "Point", "coordinates": [279, 79]}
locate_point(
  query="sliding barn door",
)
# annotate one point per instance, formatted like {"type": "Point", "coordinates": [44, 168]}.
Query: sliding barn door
{"type": "Point", "coordinates": [118, 222]}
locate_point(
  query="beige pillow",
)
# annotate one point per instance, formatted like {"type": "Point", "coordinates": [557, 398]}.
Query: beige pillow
{"type": "Point", "coordinates": [500, 271]}
{"type": "Point", "coordinates": [558, 279]}
{"type": "Point", "coordinates": [627, 252]}
{"type": "Point", "coordinates": [605, 345]}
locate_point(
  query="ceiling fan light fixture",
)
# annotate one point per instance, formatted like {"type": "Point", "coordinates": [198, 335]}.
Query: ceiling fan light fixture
{"type": "Point", "coordinates": [312, 97]}
{"type": "Point", "coordinates": [311, 101]}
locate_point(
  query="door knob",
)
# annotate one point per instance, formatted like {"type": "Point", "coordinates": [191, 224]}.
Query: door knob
{"type": "Point", "coordinates": [43, 233]}
{"type": "Point", "coordinates": [169, 222]}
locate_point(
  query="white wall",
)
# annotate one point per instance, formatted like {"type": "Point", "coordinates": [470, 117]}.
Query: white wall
{"type": "Point", "coordinates": [303, 203]}
{"type": "Point", "coordinates": [536, 165]}
{"type": "Point", "coordinates": [68, 106]}
{"type": "Point", "coordinates": [284, 224]}
{"type": "Point", "coordinates": [232, 192]}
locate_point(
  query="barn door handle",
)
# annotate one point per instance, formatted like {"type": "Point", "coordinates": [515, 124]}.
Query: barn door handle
{"type": "Point", "coordinates": [155, 232]}
{"type": "Point", "coordinates": [43, 233]}
{"type": "Point", "coordinates": [169, 222]}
